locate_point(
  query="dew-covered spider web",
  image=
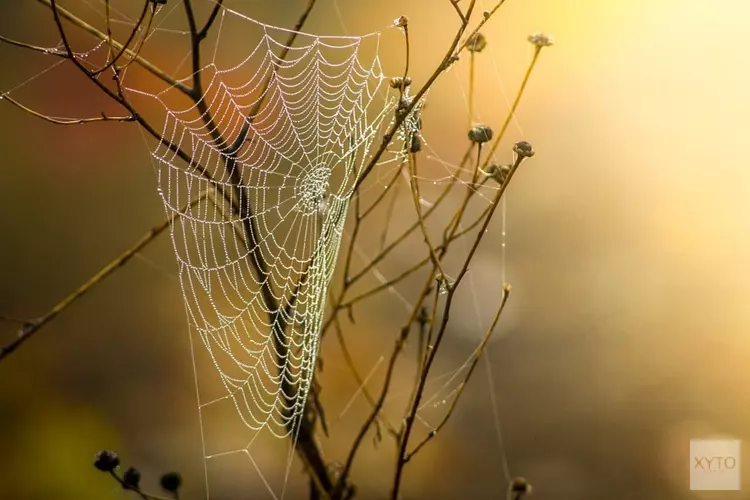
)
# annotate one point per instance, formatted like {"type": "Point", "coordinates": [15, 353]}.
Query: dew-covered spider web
{"type": "Point", "coordinates": [275, 146]}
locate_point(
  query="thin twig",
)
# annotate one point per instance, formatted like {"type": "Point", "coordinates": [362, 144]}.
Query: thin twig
{"type": "Point", "coordinates": [487, 16]}
{"type": "Point", "coordinates": [513, 107]}
{"type": "Point", "coordinates": [418, 207]}
{"type": "Point", "coordinates": [465, 381]}
{"type": "Point", "coordinates": [406, 64]}
{"type": "Point", "coordinates": [31, 327]}
{"type": "Point", "coordinates": [133, 32]}
{"type": "Point", "coordinates": [454, 3]}
{"type": "Point", "coordinates": [66, 121]}
{"type": "Point", "coordinates": [36, 48]}
{"type": "Point", "coordinates": [389, 208]}
{"type": "Point", "coordinates": [471, 88]}
{"type": "Point", "coordinates": [203, 33]}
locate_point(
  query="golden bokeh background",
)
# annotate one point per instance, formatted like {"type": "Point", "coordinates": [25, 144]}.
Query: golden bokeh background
{"type": "Point", "coordinates": [627, 245]}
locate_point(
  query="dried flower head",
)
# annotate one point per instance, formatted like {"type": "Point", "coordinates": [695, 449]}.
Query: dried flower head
{"type": "Point", "coordinates": [416, 144]}
{"type": "Point", "coordinates": [401, 22]}
{"type": "Point", "coordinates": [396, 82]}
{"type": "Point", "coordinates": [480, 134]}
{"type": "Point", "coordinates": [106, 461]}
{"type": "Point", "coordinates": [519, 486]}
{"type": "Point", "coordinates": [131, 479]}
{"type": "Point", "coordinates": [486, 14]}
{"type": "Point", "coordinates": [498, 172]}
{"type": "Point", "coordinates": [541, 40]}
{"type": "Point", "coordinates": [171, 481]}
{"type": "Point", "coordinates": [476, 42]}
{"type": "Point", "coordinates": [523, 149]}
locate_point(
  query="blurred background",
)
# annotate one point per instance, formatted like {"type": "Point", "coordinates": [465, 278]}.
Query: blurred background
{"type": "Point", "coordinates": [627, 241]}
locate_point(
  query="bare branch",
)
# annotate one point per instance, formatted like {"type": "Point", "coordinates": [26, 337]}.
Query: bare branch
{"type": "Point", "coordinates": [418, 207]}
{"type": "Point", "coordinates": [36, 48]}
{"type": "Point", "coordinates": [66, 121]}
{"type": "Point", "coordinates": [445, 64]}
{"type": "Point", "coordinates": [487, 15]}
{"type": "Point", "coordinates": [31, 327]}
{"type": "Point", "coordinates": [151, 68]}
{"type": "Point", "coordinates": [133, 32]}
{"type": "Point", "coordinates": [465, 381]}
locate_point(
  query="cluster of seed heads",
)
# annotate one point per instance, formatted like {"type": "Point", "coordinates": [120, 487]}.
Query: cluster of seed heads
{"type": "Point", "coordinates": [109, 461]}
{"type": "Point", "coordinates": [400, 81]}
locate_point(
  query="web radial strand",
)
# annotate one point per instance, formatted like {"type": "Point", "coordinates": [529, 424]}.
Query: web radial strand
{"type": "Point", "coordinates": [278, 145]}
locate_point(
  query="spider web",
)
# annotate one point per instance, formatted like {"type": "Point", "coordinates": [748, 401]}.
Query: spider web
{"type": "Point", "coordinates": [276, 146]}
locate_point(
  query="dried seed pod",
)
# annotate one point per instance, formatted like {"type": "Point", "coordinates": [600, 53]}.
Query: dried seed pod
{"type": "Point", "coordinates": [476, 43]}
{"type": "Point", "coordinates": [171, 481]}
{"type": "Point", "coordinates": [415, 145]}
{"type": "Point", "coordinates": [523, 149]}
{"type": "Point", "coordinates": [396, 83]}
{"type": "Point", "coordinates": [131, 479]}
{"type": "Point", "coordinates": [106, 461]}
{"type": "Point", "coordinates": [480, 134]}
{"type": "Point", "coordinates": [519, 487]}
{"type": "Point", "coordinates": [401, 21]}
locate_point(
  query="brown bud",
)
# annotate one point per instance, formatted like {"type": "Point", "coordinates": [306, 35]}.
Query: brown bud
{"type": "Point", "coordinates": [480, 134]}
{"type": "Point", "coordinates": [519, 487]}
{"type": "Point", "coordinates": [476, 43]}
{"type": "Point", "coordinates": [523, 149]}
